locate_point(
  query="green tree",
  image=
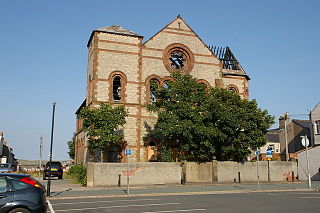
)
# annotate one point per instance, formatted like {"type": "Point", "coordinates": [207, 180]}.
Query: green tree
{"type": "Point", "coordinates": [71, 146]}
{"type": "Point", "coordinates": [202, 124]}
{"type": "Point", "coordinates": [102, 126]}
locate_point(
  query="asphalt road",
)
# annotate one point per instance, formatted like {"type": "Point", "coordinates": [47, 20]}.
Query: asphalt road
{"type": "Point", "coordinates": [62, 189]}
{"type": "Point", "coordinates": [293, 202]}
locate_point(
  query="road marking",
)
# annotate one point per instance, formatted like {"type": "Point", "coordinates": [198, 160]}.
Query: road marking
{"type": "Point", "coordinates": [310, 197]}
{"type": "Point", "coordinates": [110, 207]}
{"type": "Point", "coordinates": [102, 201]}
{"type": "Point", "coordinates": [50, 206]}
{"type": "Point", "coordinates": [180, 210]}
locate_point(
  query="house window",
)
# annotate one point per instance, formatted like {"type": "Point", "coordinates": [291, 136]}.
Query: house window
{"type": "Point", "coordinates": [317, 126]}
{"type": "Point", "coordinates": [271, 146]}
{"type": "Point", "coordinates": [117, 84]}
{"type": "Point", "coordinates": [154, 85]}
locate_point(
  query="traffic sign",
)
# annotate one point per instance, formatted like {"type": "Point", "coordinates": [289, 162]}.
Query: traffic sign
{"type": "Point", "coordinates": [304, 141]}
{"type": "Point", "coordinates": [257, 152]}
{"type": "Point", "coordinates": [269, 151]}
{"type": "Point", "coordinates": [128, 152]}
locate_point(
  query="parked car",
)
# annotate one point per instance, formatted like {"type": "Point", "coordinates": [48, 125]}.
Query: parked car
{"type": "Point", "coordinates": [21, 193]}
{"type": "Point", "coordinates": [56, 170]}
{"type": "Point", "coordinates": [5, 168]}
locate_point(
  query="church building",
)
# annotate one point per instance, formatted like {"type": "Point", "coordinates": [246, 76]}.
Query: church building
{"type": "Point", "coordinates": [121, 66]}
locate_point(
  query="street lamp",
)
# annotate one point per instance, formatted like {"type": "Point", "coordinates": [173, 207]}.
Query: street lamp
{"type": "Point", "coordinates": [50, 155]}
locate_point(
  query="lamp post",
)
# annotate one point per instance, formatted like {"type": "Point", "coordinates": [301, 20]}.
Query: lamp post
{"type": "Point", "coordinates": [50, 155]}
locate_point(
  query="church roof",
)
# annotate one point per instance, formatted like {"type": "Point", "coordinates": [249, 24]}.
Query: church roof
{"type": "Point", "coordinates": [230, 64]}
{"type": "Point", "coordinates": [116, 29]}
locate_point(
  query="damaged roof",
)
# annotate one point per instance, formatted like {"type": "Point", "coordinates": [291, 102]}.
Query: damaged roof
{"type": "Point", "coordinates": [230, 65]}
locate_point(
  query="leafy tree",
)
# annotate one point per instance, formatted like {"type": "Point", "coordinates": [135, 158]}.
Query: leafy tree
{"type": "Point", "coordinates": [102, 126]}
{"type": "Point", "coordinates": [71, 145]}
{"type": "Point", "coordinates": [201, 124]}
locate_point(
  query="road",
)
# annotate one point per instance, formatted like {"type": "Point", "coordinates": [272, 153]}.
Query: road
{"type": "Point", "coordinates": [293, 202]}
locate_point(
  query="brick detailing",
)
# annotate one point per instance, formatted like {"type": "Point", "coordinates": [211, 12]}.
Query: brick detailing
{"type": "Point", "coordinates": [111, 55]}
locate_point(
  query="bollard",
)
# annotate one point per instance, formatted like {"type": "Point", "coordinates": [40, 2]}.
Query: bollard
{"type": "Point", "coordinates": [183, 179]}
{"type": "Point", "coordinates": [239, 177]}
{"type": "Point", "coordinates": [119, 180]}
{"type": "Point", "coordinates": [292, 176]}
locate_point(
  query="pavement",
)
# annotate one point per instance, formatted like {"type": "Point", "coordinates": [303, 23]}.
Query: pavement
{"type": "Point", "coordinates": [65, 189]}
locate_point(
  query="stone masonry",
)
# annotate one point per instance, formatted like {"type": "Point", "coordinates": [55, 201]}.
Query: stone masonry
{"type": "Point", "coordinates": [116, 53]}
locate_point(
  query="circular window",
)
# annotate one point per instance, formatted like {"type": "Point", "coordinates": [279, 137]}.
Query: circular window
{"type": "Point", "coordinates": [178, 57]}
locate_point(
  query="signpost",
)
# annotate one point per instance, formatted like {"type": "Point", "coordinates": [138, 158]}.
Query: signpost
{"type": "Point", "coordinates": [269, 153]}
{"type": "Point", "coordinates": [258, 153]}
{"type": "Point", "coordinates": [128, 152]}
{"type": "Point", "coordinates": [305, 143]}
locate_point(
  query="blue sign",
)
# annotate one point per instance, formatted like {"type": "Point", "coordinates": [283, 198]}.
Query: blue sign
{"type": "Point", "coordinates": [257, 152]}
{"type": "Point", "coordinates": [269, 151]}
{"type": "Point", "coordinates": [128, 152]}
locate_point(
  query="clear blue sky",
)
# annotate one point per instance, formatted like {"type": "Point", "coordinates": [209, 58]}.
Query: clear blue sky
{"type": "Point", "coordinates": [43, 56]}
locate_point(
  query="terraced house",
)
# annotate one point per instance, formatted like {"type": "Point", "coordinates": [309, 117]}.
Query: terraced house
{"type": "Point", "coordinates": [121, 66]}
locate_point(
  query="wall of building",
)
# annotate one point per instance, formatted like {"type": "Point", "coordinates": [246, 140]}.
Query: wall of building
{"type": "Point", "coordinates": [315, 116]}
{"type": "Point", "coordinates": [314, 163]}
{"type": "Point", "coordinates": [276, 150]}
{"type": "Point", "coordinates": [81, 150]}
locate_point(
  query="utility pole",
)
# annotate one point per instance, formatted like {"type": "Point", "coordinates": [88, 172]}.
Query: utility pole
{"type": "Point", "coordinates": [50, 155]}
{"type": "Point", "coordinates": [286, 135]}
{"type": "Point", "coordinates": [311, 130]}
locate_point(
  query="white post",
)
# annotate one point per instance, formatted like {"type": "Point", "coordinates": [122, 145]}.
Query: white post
{"type": "Point", "coordinates": [308, 170]}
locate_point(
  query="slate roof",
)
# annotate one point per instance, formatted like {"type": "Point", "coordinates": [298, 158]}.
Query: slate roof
{"type": "Point", "coordinates": [303, 123]}
{"type": "Point", "coordinates": [273, 137]}
{"type": "Point", "coordinates": [116, 29]}
{"type": "Point", "coordinates": [81, 106]}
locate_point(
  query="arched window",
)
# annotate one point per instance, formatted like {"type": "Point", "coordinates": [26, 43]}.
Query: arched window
{"type": "Point", "coordinates": [166, 84]}
{"type": "Point", "coordinates": [154, 85]}
{"type": "Point", "coordinates": [233, 88]}
{"type": "Point", "coordinates": [116, 88]}
{"type": "Point", "coordinates": [204, 83]}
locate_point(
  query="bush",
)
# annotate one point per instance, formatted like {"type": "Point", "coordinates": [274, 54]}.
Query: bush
{"type": "Point", "coordinates": [78, 173]}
